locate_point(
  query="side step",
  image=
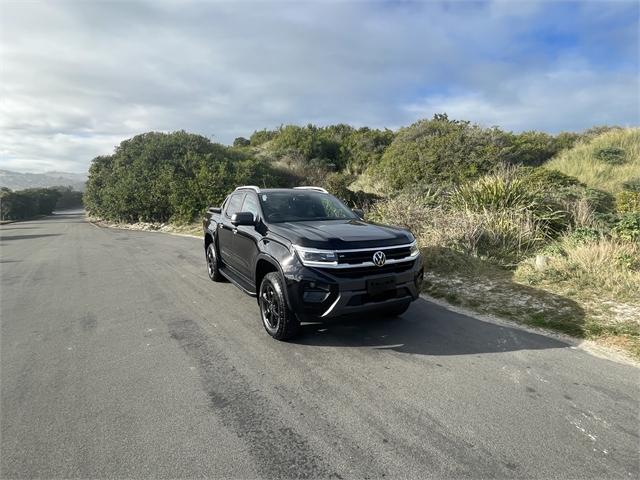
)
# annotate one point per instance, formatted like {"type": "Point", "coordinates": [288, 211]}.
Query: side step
{"type": "Point", "coordinates": [242, 284]}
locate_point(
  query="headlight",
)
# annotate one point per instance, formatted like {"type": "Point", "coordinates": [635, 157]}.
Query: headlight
{"type": "Point", "coordinates": [311, 257]}
{"type": "Point", "coordinates": [415, 251]}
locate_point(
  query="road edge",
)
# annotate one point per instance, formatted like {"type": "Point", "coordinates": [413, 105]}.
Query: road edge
{"type": "Point", "coordinates": [103, 224]}
{"type": "Point", "coordinates": [588, 346]}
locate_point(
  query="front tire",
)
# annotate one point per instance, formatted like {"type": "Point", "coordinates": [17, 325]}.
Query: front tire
{"type": "Point", "coordinates": [278, 319]}
{"type": "Point", "coordinates": [213, 265]}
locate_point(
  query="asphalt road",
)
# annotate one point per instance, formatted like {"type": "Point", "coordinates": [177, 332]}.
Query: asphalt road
{"type": "Point", "coordinates": [119, 358]}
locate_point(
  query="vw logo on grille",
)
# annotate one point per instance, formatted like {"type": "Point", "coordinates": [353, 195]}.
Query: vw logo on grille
{"type": "Point", "coordinates": [379, 258]}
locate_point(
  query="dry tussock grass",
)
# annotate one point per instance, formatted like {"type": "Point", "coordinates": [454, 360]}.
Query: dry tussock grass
{"type": "Point", "coordinates": [601, 267]}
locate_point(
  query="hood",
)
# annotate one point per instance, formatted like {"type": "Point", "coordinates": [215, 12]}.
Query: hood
{"type": "Point", "coordinates": [341, 234]}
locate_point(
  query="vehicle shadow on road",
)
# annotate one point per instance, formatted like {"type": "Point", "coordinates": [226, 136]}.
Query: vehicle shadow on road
{"type": "Point", "coordinates": [425, 329]}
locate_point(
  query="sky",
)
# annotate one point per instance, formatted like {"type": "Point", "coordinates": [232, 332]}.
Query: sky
{"type": "Point", "coordinates": [78, 77]}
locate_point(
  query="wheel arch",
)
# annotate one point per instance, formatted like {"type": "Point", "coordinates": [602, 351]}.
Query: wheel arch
{"type": "Point", "coordinates": [266, 264]}
{"type": "Point", "coordinates": [208, 239]}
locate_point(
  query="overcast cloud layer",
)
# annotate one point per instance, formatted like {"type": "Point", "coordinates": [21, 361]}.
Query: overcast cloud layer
{"type": "Point", "coordinates": [79, 77]}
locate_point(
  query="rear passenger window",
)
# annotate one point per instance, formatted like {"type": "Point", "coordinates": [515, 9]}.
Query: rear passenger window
{"type": "Point", "coordinates": [234, 204]}
{"type": "Point", "coordinates": [250, 205]}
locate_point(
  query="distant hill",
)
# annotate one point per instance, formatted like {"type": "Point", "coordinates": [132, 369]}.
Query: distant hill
{"type": "Point", "coordinates": [20, 181]}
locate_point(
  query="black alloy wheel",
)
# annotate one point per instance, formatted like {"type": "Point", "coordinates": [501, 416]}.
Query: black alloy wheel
{"type": "Point", "coordinates": [278, 320]}
{"type": "Point", "coordinates": [212, 263]}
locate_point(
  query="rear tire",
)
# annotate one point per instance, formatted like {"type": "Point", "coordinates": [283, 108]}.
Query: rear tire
{"type": "Point", "coordinates": [213, 265]}
{"type": "Point", "coordinates": [278, 319]}
{"type": "Point", "coordinates": [395, 310]}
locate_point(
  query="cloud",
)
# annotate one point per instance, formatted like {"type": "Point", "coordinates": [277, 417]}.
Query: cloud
{"type": "Point", "coordinates": [79, 77]}
{"type": "Point", "coordinates": [558, 100]}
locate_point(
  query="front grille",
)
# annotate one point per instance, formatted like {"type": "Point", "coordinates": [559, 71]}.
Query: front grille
{"type": "Point", "coordinates": [358, 272]}
{"type": "Point", "coordinates": [367, 255]}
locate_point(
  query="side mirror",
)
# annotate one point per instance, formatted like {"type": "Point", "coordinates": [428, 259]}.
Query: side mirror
{"type": "Point", "coordinates": [359, 212]}
{"type": "Point", "coordinates": [242, 218]}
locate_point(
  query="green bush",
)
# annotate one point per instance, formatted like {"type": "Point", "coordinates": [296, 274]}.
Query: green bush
{"type": "Point", "coordinates": [364, 148]}
{"type": "Point", "coordinates": [440, 151]}
{"type": "Point", "coordinates": [241, 142]}
{"type": "Point", "coordinates": [157, 177]}
{"type": "Point", "coordinates": [534, 148]}
{"type": "Point", "coordinates": [310, 144]}
{"type": "Point", "coordinates": [338, 185]}
{"type": "Point", "coordinates": [546, 179]}
{"type": "Point", "coordinates": [611, 155]}
{"type": "Point", "coordinates": [627, 227]}
{"type": "Point", "coordinates": [68, 198]}
{"type": "Point", "coordinates": [601, 201]}
{"type": "Point", "coordinates": [27, 203]}
{"type": "Point", "coordinates": [260, 137]}
{"type": "Point", "coordinates": [584, 235]}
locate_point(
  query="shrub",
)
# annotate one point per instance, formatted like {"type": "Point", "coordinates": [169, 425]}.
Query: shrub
{"type": "Point", "coordinates": [628, 201]}
{"type": "Point", "coordinates": [310, 144]}
{"type": "Point", "coordinates": [68, 198]}
{"type": "Point", "coordinates": [546, 179]}
{"type": "Point", "coordinates": [534, 148]}
{"type": "Point", "coordinates": [241, 142]}
{"type": "Point", "coordinates": [260, 137]}
{"type": "Point", "coordinates": [364, 148]}
{"type": "Point", "coordinates": [584, 235]}
{"type": "Point", "coordinates": [158, 177]}
{"type": "Point", "coordinates": [601, 201]}
{"type": "Point", "coordinates": [440, 151]}
{"type": "Point", "coordinates": [408, 210]}
{"type": "Point", "coordinates": [632, 185]}
{"type": "Point", "coordinates": [27, 203]}
{"type": "Point", "coordinates": [627, 227]}
{"type": "Point", "coordinates": [338, 185]}
{"type": "Point", "coordinates": [611, 155]}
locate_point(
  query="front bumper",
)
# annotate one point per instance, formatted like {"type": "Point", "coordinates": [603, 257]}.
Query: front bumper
{"type": "Point", "coordinates": [346, 292]}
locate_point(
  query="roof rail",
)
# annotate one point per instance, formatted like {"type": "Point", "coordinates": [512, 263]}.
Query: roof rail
{"type": "Point", "coordinates": [317, 189]}
{"type": "Point", "coordinates": [252, 187]}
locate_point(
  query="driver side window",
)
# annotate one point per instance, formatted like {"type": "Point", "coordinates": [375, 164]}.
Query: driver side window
{"type": "Point", "coordinates": [250, 205]}
{"type": "Point", "coordinates": [234, 204]}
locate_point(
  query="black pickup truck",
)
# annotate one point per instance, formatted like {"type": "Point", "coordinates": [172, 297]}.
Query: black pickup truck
{"type": "Point", "coordinates": [304, 254]}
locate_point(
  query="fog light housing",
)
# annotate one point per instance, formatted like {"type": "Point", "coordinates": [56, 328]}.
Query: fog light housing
{"type": "Point", "coordinates": [314, 292]}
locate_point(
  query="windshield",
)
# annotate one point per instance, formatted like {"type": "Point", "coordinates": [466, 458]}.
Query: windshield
{"type": "Point", "coordinates": [302, 206]}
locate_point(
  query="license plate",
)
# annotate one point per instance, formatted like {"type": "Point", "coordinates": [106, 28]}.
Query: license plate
{"type": "Point", "coordinates": [376, 286]}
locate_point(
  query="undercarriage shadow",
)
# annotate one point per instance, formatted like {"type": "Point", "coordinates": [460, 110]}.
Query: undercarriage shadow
{"type": "Point", "coordinates": [425, 329]}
